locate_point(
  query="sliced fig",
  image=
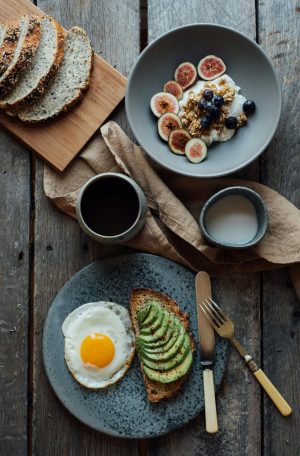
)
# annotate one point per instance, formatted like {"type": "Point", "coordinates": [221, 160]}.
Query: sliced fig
{"type": "Point", "coordinates": [185, 74]}
{"type": "Point", "coordinates": [174, 88]}
{"type": "Point", "coordinates": [211, 67]}
{"type": "Point", "coordinates": [166, 123]}
{"type": "Point", "coordinates": [163, 102]}
{"type": "Point", "coordinates": [177, 140]}
{"type": "Point", "coordinates": [195, 150]}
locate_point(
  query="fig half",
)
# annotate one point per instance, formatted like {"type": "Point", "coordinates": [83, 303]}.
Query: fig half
{"type": "Point", "coordinates": [167, 123]}
{"type": "Point", "coordinates": [211, 67]}
{"type": "Point", "coordinates": [195, 150]}
{"type": "Point", "coordinates": [177, 141]}
{"type": "Point", "coordinates": [163, 102]}
{"type": "Point", "coordinates": [174, 88]}
{"type": "Point", "coordinates": [185, 74]}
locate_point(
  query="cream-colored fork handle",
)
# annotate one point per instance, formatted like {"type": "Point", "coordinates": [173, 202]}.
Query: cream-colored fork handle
{"type": "Point", "coordinates": [273, 393]}
{"type": "Point", "coordinates": [211, 419]}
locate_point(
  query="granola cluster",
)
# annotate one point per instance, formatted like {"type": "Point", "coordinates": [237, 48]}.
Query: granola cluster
{"type": "Point", "coordinates": [193, 113]}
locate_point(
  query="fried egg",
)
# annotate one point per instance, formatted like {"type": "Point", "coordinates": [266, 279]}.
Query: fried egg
{"type": "Point", "coordinates": [99, 343]}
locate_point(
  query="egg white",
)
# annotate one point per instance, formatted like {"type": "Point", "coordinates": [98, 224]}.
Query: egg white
{"type": "Point", "coordinates": [106, 318]}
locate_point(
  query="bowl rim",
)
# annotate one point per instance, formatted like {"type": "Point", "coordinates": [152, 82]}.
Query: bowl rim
{"type": "Point", "coordinates": [173, 168]}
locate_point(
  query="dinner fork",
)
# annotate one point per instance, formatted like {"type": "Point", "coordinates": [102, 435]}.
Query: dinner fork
{"type": "Point", "coordinates": [224, 326]}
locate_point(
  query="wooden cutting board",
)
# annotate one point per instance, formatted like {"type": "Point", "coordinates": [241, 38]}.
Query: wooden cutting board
{"type": "Point", "coordinates": [59, 141]}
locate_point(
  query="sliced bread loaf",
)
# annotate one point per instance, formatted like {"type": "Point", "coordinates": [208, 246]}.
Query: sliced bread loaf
{"type": "Point", "coordinates": [29, 38]}
{"type": "Point", "coordinates": [35, 78]}
{"type": "Point", "coordinates": [8, 45]}
{"type": "Point", "coordinates": [67, 86]}
{"type": "Point", "coordinates": [157, 391]}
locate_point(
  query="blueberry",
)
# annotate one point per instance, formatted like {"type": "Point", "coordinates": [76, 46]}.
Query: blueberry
{"type": "Point", "coordinates": [214, 112]}
{"type": "Point", "coordinates": [218, 101]}
{"type": "Point", "coordinates": [202, 105]}
{"type": "Point", "coordinates": [231, 123]}
{"type": "Point", "coordinates": [208, 94]}
{"type": "Point", "coordinates": [249, 107]}
{"type": "Point", "coordinates": [205, 122]}
{"type": "Point", "coordinates": [209, 106]}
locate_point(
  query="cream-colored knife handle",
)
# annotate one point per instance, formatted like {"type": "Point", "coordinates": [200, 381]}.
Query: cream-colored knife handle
{"type": "Point", "coordinates": [272, 392]}
{"type": "Point", "coordinates": [211, 419]}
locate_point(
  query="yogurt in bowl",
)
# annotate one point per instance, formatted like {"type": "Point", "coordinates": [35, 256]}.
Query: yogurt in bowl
{"type": "Point", "coordinates": [217, 132]}
{"type": "Point", "coordinates": [194, 114]}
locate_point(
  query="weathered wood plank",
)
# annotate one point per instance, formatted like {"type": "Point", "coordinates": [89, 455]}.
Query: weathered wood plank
{"type": "Point", "coordinates": [239, 399]}
{"type": "Point", "coordinates": [61, 249]}
{"type": "Point", "coordinates": [278, 26]}
{"type": "Point", "coordinates": [14, 278]}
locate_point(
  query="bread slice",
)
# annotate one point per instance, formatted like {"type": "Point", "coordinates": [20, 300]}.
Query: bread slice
{"type": "Point", "coordinates": [8, 44]}
{"type": "Point", "coordinates": [29, 38]}
{"type": "Point", "coordinates": [35, 78]}
{"type": "Point", "coordinates": [3, 28]}
{"type": "Point", "coordinates": [157, 391]}
{"type": "Point", "coordinates": [69, 83]}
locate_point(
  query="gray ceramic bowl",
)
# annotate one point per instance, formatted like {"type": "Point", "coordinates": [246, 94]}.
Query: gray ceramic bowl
{"type": "Point", "coordinates": [261, 212]}
{"type": "Point", "coordinates": [248, 66]}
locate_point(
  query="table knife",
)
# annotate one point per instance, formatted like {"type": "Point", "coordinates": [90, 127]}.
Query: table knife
{"type": "Point", "coordinates": [207, 349]}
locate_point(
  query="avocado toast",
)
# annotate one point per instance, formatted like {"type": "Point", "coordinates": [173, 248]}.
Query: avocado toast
{"type": "Point", "coordinates": [163, 340]}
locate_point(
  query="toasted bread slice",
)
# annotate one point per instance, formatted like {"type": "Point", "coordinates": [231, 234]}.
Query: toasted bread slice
{"type": "Point", "coordinates": [8, 42]}
{"type": "Point", "coordinates": [34, 80]}
{"type": "Point", "coordinates": [157, 391]}
{"type": "Point", "coordinates": [28, 42]}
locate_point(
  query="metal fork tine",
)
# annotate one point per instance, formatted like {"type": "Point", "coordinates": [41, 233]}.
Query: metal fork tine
{"type": "Point", "coordinates": [208, 316]}
{"type": "Point", "coordinates": [215, 313]}
{"type": "Point", "coordinates": [223, 314]}
{"type": "Point", "coordinates": [211, 314]}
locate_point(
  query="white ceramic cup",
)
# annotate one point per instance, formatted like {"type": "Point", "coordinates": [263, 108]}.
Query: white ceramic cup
{"type": "Point", "coordinates": [90, 200]}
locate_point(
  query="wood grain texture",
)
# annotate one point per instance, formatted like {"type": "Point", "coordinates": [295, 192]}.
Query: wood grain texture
{"type": "Point", "coordinates": [238, 402]}
{"type": "Point", "coordinates": [61, 249]}
{"type": "Point", "coordinates": [60, 140]}
{"type": "Point", "coordinates": [278, 26]}
{"type": "Point", "coordinates": [14, 279]}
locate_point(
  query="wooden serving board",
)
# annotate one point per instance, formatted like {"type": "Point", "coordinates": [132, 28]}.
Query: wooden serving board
{"type": "Point", "coordinates": [60, 140]}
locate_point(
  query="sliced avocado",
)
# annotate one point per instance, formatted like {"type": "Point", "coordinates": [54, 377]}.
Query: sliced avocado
{"type": "Point", "coordinates": [171, 363]}
{"type": "Point", "coordinates": [152, 315]}
{"type": "Point", "coordinates": [171, 375]}
{"type": "Point", "coordinates": [160, 344]}
{"type": "Point", "coordinates": [150, 329]}
{"type": "Point", "coordinates": [143, 312]}
{"type": "Point", "coordinates": [170, 338]}
{"type": "Point", "coordinates": [170, 350]}
{"type": "Point", "coordinates": [160, 332]}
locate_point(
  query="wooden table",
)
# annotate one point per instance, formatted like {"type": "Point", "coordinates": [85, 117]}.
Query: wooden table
{"type": "Point", "coordinates": [40, 249]}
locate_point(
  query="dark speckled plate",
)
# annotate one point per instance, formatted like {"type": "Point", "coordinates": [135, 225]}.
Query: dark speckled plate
{"type": "Point", "coordinates": [123, 409]}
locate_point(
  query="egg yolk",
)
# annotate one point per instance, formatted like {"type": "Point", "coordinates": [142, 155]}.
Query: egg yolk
{"type": "Point", "coordinates": [97, 349]}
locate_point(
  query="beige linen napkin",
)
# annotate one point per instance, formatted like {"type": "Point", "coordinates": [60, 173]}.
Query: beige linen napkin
{"type": "Point", "coordinates": [174, 203]}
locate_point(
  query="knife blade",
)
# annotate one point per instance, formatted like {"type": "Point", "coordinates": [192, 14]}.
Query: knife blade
{"type": "Point", "coordinates": [207, 350]}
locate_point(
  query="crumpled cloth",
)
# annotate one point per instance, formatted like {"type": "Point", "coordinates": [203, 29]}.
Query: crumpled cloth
{"type": "Point", "coordinates": [174, 203]}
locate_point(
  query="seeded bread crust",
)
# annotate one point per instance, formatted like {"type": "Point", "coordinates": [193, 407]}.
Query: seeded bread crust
{"type": "Point", "coordinates": [27, 51]}
{"type": "Point", "coordinates": [9, 44]}
{"type": "Point", "coordinates": [30, 114]}
{"type": "Point", "coordinates": [157, 391]}
{"type": "Point", "coordinates": [45, 79]}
